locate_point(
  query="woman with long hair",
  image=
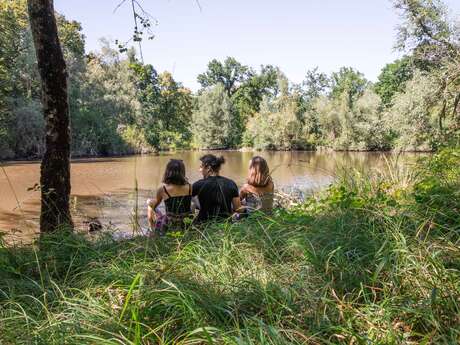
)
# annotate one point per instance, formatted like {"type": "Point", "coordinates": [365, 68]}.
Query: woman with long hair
{"type": "Point", "coordinates": [176, 192]}
{"type": "Point", "coordinates": [257, 193]}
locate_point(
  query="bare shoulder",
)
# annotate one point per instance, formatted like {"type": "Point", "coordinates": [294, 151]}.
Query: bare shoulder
{"type": "Point", "coordinates": [160, 189]}
{"type": "Point", "coordinates": [245, 187]}
{"type": "Point", "coordinates": [271, 186]}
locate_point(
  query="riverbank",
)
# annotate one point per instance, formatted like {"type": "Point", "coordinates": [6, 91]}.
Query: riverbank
{"type": "Point", "coordinates": [109, 188]}
{"type": "Point", "coordinates": [77, 158]}
{"type": "Point", "coordinates": [374, 259]}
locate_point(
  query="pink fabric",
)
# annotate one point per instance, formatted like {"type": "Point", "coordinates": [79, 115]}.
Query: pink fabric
{"type": "Point", "coordinates": [161, 221]}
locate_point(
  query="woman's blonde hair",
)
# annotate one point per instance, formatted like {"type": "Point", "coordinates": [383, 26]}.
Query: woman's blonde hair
{"type": "Point", "coordinates": [259, 173]}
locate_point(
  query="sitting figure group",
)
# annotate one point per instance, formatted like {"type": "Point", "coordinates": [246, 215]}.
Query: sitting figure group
{"type": "Point", "coordinates": [216, 197]}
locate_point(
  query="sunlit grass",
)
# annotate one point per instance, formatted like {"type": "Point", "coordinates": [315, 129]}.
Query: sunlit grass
{"type": "Point", "coordinates": [366, 262]}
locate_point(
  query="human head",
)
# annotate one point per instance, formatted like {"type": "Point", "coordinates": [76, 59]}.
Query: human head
{"type": "Point", "coordinates": [175, 173]}
{"type": "Point", "coordinates": [211, 164]}
{"type": "Point", "coordinates": [259, 174]}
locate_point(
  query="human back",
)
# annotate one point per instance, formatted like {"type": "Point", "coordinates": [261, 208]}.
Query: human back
{"type": "Point", "coordinates": [178, 199]}
{"type": "Point", "coordinates": [176, 193]}
{"type": "Point", "coordinates": [258, 192]}
{"type": "Point", "coordinates": [217, 195]}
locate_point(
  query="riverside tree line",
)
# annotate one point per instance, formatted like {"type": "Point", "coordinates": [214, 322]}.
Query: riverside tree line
{"type": "Point", "coordinates": [119, 105]}
{"type": "Point", "coordinates": [373, 259]}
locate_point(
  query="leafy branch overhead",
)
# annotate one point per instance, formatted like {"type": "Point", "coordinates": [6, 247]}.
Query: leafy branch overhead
{"type": "Point", "coordinates": [142, 24]}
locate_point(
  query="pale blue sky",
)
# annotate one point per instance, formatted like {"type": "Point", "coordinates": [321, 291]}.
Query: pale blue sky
{"type": "Point", "coordinates": [295, 35]}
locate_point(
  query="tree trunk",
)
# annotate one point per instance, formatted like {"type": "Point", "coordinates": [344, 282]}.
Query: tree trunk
{"type": "Point", "coordinates": [55, 167]}
{"type": "Point", "coordinates": [455, 106]}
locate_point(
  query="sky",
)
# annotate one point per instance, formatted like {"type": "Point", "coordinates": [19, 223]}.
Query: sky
{"type": "Point", "coordinates": [296, 35]}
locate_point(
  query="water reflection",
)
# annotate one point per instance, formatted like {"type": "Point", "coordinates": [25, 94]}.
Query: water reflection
{"type": "Point", "coordinates": [105, 188]}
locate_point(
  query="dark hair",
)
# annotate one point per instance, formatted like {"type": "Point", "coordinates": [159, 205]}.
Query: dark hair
{"type": "Point", "coordinates": [259, 174]}
{"type": "Point", "coordinates": [212, 162]}
{"type": "Point", "coordinates": [175, 173]}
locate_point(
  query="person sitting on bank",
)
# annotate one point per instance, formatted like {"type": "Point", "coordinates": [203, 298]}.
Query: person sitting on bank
{"type": "Point", "coordinates": [258, 192]}
{"type": "Point", "coordinates": [218, 196]}
{"type": "Point", "coordinates": [176, 193]}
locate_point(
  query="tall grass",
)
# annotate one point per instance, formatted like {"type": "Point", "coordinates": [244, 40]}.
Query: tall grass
{"type": "Point", "coordinates": [373, 260]}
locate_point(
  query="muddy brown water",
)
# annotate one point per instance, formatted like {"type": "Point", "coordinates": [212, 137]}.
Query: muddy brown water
{"type": "Point", "coordinates": [106, 187]}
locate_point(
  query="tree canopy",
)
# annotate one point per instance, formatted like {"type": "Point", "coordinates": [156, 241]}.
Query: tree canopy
{"type": "Point", "coordinates": [231, 74]}
{"type": "Point", "coordinates": [120, 105]}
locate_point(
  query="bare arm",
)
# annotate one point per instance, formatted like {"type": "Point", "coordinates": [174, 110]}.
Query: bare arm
{"type": "Point", "coordinates": [152, 205]}
{"type": "Point", "coordinates": [236, 202]}
{"type": "Point", "coordinates": [243, 192]}
{"type": "Point", "coordinates": [151, 217]}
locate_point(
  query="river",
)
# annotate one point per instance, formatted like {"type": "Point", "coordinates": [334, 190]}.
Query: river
{"type": "Point", "coordinates": [106, 187]}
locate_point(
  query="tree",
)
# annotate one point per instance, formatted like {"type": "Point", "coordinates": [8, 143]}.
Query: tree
{"type": "Point", "coordinates": [231, 74]}
{"type": "Point", "coordinates": [314, 85]}
{"type": "Point", "coordinates": [333, 115]}
{"type": "Point", "coordinates": [279, 123]}
{"type": "Point", "coordinates": [392, 79]}
{"type": "Point", "coordinates": [166, 107]}
{"type": "Point", "coordinates": [18, 74]}
{"type": "Point", "coordinates": [55, 166]}
{"type": "Point", "coordinates": [20, 87]}
{"type": "Point", "coordinates": [106, 106]}
{"type": "Point", "coordinates": [249, 95]}
{"type": "Point", "coordinates": [429, 34]}
{"type": "Point", "coordinates": [175, 108]}
{"type": "Point", "coordinates": [426, 30]}
{"type": "Point", "coordinates": [371, 130]}
{"type": "Point", "coordinates": [214, 120]}
{"type": "Point", "coordinates": [412, 118]}
{"type": "Point", "coordinates": [348, 82]}
{"type": "Point", "coordinates": [148, 94]}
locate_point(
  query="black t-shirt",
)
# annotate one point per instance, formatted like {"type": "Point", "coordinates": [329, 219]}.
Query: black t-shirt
{"type": "Point", "coordinates": [215, 194]}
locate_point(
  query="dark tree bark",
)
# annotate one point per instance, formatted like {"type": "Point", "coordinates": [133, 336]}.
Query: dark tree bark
{"type": "Point", "coordinates": [455, 106]}
{"type": "Point", "coordinates": [55, 167]}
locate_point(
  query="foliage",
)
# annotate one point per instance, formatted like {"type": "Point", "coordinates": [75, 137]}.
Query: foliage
{"type": "Point", "coordinates": [437, 192]}
{"type": "Point", "coordinates": [20, 89]}
{"type": "Point", "coordinates": [371, 130]}
{"type": "Point", "coordinates": [372, 260]}
{"type": "Point", "coordinates": [348, 83]}
{"type": "Point", "coordinates": [412, 118]}
{"type": "Point", "coordinates": [426, 30]}
{"type": "Point", "coordinates": [111, 97]}
{"type": "Point", "coordinates": [392, 79]}
{"type": "Point", "coordinates": [175, 109]}
{"type": "Point", "coordinates": [215, 124]}
{"type": "Point", "coordinates": [361, 127]}
{"type": "Point", "coordinates": [277, 126]}
{"type": "Point", "coordinates": [107, 100]}
{"type": "Point", "coordinates": [119, 105]}
{"type": "Point", "coordinates": [434, 41]}
{"type": "Point", "coordinates": [315, 84]}
{"type": "Point", "coordinates": [231, 74]}
{"type": "Point", "coordinates": [248, 97]}
{"type": "Point", "coordinates": [28, 125]}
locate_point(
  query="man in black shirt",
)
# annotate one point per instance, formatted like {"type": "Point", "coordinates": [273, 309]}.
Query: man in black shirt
{"type": "Point", "coordinates": [218, 196]}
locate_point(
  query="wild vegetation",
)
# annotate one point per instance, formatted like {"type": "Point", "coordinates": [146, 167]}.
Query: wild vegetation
{"type": "Point", "coordinates": [375, 259]}
{"type": "Point", "coordinates": [120, 105]}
